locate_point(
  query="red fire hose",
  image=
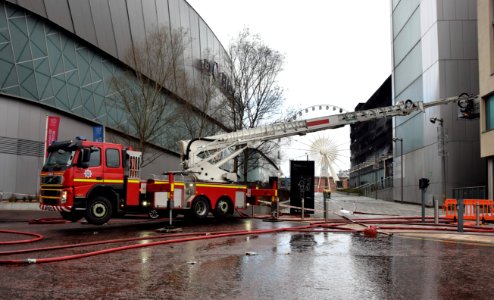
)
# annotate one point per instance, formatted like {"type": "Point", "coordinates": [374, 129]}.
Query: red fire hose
{"type": "Point", "coordinates": [334, 226]}
{"type": "Point", "coordinates": [37, 237]}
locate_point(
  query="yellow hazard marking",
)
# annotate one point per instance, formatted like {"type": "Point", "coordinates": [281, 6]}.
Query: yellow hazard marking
{"type": "Point", "coordinates": [87, 180]}
{"type": "Point", "coordinates": [99, 180]}
{"type": "Point", "coordinates": [112, 181]}
{"type": "Point", "coordinates": [222, 186]}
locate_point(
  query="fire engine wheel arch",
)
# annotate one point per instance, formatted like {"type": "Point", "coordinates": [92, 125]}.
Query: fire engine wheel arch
{"type": "Point", "coordinates": [99, 210]}
{"type": "Point", "coordinates": [200, 207]}
{"type": "Point", "coordinates": [224, 207]}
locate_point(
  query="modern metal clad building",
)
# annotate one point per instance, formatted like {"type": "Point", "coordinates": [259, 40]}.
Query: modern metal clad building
{"type": "Point", "coordinates": [435, 56]}
{"type": "Point", "coordinates": [485, 10]}
{"type": "Point", "coordinates": [57, 57]}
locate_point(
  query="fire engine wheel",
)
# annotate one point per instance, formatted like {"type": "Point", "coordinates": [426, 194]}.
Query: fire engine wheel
{"type": "Point", "coordinates": [223, 208]}
{"type": "Point", "coordinates": [99, 211]}
{"type": "Point", "coordinates": [72, 216]}
{"type": "Point", "coordinates": [200, 208]}
{"type": "Point", "coordinates": [153, 214]}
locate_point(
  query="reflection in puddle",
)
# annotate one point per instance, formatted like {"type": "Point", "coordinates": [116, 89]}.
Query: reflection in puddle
{"type": "Point", "coordinates": [302, 242]}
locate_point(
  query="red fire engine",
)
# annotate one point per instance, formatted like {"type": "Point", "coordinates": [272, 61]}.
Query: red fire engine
{"type": "Point", "coordinates": [100, 180]}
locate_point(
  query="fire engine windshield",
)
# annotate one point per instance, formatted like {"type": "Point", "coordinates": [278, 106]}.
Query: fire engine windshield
{"type": "Point", "coordinates": [59, 159]}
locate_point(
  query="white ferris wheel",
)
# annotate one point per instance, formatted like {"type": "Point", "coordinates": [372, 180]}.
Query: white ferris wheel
{"type": "Point", "coordinates": [328, 149]}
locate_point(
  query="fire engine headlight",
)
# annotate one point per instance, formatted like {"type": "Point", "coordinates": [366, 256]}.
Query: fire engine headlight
{"type": "Point", "coordinates": [63, 197]}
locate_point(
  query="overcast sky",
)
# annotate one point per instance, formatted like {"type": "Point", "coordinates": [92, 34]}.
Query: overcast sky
{"type": "Point", "coordinates": [338, 52]}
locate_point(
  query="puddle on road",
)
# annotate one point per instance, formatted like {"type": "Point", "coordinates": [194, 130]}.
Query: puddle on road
{"type": "Point", "coordinates": [285, 266]}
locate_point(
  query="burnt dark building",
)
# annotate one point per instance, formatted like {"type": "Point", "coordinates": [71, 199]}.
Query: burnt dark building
{"type": "Point", "coordinates": [371, 143]}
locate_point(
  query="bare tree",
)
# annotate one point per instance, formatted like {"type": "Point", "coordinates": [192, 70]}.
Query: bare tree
{"type": "Point", "coordinates": [258, 99]}
{"type": "Point", "coordinates": [143, 91]}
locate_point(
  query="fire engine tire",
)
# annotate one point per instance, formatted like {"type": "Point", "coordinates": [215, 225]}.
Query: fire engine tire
{"type": "Point", "coordinates": [72, 216]}
{"type": "Point", "coordinates": [99, 211]}
{"type": "Point", "coordinates": [200, 208]}
{"type": "Point", "coordinates": [223, 208]}
{"type": "Point", "coordinates": [154, 214]}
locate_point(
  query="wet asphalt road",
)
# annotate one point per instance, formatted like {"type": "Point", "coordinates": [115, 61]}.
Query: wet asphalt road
{"type": "Point", "coordinates": [285, 265]}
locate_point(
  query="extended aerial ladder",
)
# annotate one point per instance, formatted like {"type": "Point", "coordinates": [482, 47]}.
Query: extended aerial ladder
{"type": "Point", "coordinates": [204, 157]}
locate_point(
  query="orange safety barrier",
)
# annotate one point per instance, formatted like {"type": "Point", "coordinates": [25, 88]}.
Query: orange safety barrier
{"type": "Point", "coordinates": [486, 209]}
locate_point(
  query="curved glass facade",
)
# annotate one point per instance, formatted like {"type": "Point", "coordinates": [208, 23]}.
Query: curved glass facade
{"type": "Point", "coordinates": [61, 56]}
{"type": "Point", "coordinates": [42, 63]}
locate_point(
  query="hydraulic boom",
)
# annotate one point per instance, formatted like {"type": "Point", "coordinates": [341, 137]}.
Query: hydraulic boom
{"type": "Point", "coordinates": [203, 157]}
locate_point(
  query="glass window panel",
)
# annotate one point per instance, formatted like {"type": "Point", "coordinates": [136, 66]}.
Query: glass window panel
{"type": "Point", "coordinates": [88, 102]}
{"type": "Point", "coordinates": [99, 99]}
{"type": "Point", "coordinates": [13, 12]}
{"type": "Point", "coordinates": [20, 41]}
{"type": "Point", "coordinates": [489, 113]}
{"type": "Point", "coordinates": [55, 54]}
{"type": "Point", "coordinates": [27, 80]}
{"type": "Point", "coordinates": [69, 56]}
{"type": "Point", "coordinates": [107, 72]}
{"type": "Point", "coordinates": [37, 37]}
{"type": "Point", "coordinates": [4, 29]}
{"type": "Point", "coordinates": [95, 159]}
{"type": "Point", "coordinates": [402, 13]}
{"type": "Point", "coordinates": [96, 68]}
{"type": "Point", "coordinates": [73, 89]}
{"type": "Point", "coordinates": [413, 130]}
{"type": "Point", "coordinates": [13, 90]}
{"type": "Point", "coordinates": [58, 83]}
{"type": "Point", "coordinates": [409, 69]}
{"type": "Point", "coordinates": [43, 78]}
{"type": "Point", "coordinates": [8, 75]}
{"type": "Point", "coordinates": [112, 158]}
{"type": "Point", "coordinates": [83, 61]}
{"type": "Point", "coordinates": [407, 38]}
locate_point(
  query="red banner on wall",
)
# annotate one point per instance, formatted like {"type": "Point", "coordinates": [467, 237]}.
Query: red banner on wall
{"type": "Point", "coordinates": [52, 123]}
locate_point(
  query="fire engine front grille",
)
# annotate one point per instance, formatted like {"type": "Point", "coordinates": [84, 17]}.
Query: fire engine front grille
{"type": "Point", "coordinates": [51, 179]}
{"type": "Point", "coordinates": [50, 193]}
{"type": "Point", "coordinates": [48, 201]}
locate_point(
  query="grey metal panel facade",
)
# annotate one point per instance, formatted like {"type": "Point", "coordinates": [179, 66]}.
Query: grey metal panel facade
{"type": "Point", "coordinates": [121, 27]}
{"type": "Point", "coordinates": [150, 15]}
{"type": "Point", "coordinates": [36, 6]}
{"type": "Point", "coordinates": [203, 39]}
{"type": "Point", "coordinates": [136, 21]}
{"type": "Point", "coordinates": [82, 19]}
{"type": "Point", "coordinates": [59, 13]}
{"type": "Point", "coordinates": [162, 13]}
{"type": "Point", "coordinates": [103, 22]}
{"type": "Point", "coordinates": [174, 10]}
{"type": "Point", "coordinates": [441, 64]}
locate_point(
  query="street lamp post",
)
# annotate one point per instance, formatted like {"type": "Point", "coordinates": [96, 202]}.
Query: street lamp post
{"type": "Point", "coordinates": [401, 164]}
{"type": "Point", "coordinates": [442, 153]}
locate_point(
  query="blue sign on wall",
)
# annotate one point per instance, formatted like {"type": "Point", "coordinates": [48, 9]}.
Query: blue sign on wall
{"type": "Point", "coordinates": [98, 133]}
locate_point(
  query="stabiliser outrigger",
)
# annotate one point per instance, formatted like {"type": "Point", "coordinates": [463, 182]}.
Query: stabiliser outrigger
{"type": "Point", "coordinates": [99, 180]}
